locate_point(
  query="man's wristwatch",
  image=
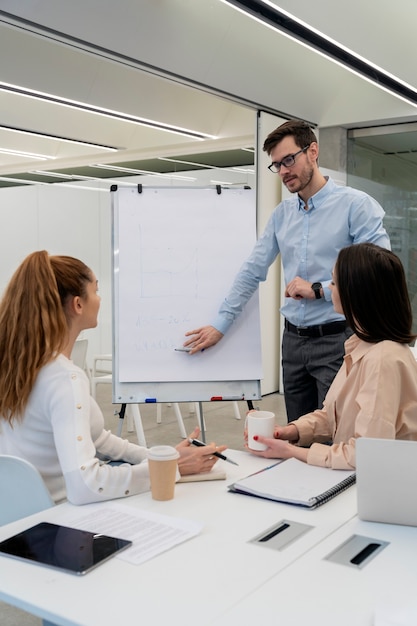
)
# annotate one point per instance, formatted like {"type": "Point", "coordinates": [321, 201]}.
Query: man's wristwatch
{"type": "Point", "coordinates": [316, 287]}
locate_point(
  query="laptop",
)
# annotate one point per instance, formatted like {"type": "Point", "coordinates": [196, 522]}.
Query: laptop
{"type": "Point", "coordinates": [386, 479]}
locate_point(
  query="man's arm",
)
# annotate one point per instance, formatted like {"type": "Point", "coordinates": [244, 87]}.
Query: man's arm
{"type": "Point", "coordinates": [253, 271]}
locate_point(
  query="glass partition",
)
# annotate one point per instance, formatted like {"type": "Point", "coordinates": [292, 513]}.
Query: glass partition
{"type": "Point", "coordinates": [383, 162]}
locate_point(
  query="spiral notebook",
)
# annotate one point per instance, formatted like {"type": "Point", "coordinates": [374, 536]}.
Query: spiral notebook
{"type": "Point", "coordinates": [295, 482]}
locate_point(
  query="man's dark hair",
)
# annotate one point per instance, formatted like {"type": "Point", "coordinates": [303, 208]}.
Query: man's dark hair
{"type": "Point", "coordinates": [301, 131]}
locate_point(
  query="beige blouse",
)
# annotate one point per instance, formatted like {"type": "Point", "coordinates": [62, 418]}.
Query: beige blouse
{"type": "Point", "coordinates": [374, 394]}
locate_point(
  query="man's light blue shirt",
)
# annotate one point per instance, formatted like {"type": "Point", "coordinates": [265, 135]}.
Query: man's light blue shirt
{"type": "Point", "coordinates": [309, 242]}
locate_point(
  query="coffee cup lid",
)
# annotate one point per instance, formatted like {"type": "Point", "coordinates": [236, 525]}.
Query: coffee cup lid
{"type": "Point", "coordinates": [163, 453]}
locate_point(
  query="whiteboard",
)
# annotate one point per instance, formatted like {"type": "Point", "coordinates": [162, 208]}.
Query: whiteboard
{"type": "Point", "coordinates": [175, 254]}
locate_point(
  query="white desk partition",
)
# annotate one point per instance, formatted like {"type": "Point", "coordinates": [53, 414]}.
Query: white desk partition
{"type": "Point", "coordinates": [195, 582]}
{"type": "Point", "coordinates": [319, 592]}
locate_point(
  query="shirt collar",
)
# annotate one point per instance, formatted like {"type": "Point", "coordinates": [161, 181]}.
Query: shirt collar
{"type": "Point", "coordinates": [355, 350]}
{"type": "Point", "coordinates": [319, 197]}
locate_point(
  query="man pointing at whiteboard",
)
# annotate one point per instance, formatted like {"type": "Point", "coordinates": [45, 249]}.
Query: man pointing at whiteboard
{"type": "Point", "coordinates": [308, 230]}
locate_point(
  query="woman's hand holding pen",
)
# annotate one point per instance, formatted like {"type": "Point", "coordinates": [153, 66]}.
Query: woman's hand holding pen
{"type": "Point", "coordinates": [195, 460]}
{"type": "Point", "coordinates": [202, 338]}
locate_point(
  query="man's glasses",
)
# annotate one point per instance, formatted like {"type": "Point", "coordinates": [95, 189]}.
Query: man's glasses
{"type": "Point", "coordinates": [287, 161]}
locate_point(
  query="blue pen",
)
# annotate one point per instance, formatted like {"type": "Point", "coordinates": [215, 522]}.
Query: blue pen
{"type": "Point", "coordinates": [150, 400]}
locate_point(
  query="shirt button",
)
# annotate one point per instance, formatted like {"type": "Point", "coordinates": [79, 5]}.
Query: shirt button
{"type": "Point", "coordinates": [79, 406]}
{"type": "Point", "coordinates": [83, 467]}
{"type": "Point", "coordinates": [79, 438]}
{"type": "Point", "coordinates": [127, 492]}
{"type": "Point", "coordinates": [100, 489]}
{"type": "Point", "coordinates": [73, 376]}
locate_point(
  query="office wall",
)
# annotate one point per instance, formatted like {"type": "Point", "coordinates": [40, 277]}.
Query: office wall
{"type": "Point", "coordinates": [63, 221]}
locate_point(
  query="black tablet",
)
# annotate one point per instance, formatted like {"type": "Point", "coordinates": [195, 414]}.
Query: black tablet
{"type": "Point", "coordinates": [68, 549]}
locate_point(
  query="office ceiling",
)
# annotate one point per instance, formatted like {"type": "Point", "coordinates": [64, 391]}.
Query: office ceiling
{"type": "Point", "coordinates": [120, 85]}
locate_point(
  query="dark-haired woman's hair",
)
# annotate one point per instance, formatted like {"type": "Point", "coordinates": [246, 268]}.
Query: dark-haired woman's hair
{"type": "Point", "coordinates": [33, 324]}
{"type": "Point", "coordinates": [373, 293]}
{"type": "Point", "coordinates": [302, 133]}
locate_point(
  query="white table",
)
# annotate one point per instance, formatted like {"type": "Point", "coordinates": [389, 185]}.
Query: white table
{"type": "Point", "coordinates": [195, 582]}
{"type": "Point", "coordinates": [319, 592]}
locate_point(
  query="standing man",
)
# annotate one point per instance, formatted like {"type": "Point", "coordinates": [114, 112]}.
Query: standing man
{"type": "Point", "coordinates": [308, 230]}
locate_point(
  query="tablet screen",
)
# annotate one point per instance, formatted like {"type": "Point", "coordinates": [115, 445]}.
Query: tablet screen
{"type": "Point", "coordinates": [69, 549]}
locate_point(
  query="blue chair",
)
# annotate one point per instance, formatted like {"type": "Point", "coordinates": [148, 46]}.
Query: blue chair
{"type": "Point", "coordinates": [22, 492]}
{"type": "Point", "coordinates": [22, 489]}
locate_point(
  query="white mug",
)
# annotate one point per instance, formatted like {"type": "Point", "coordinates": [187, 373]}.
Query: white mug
{"type": "Point", "coordinates": [259, 423]}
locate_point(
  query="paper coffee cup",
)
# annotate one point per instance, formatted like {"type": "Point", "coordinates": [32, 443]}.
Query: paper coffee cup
{"type": "Point", "coordinates": [259, 423]}
{"type": "Point", "coordinates": [163, 462]}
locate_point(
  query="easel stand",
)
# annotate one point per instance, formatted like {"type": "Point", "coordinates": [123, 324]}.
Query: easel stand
{"type": "Point", "coordinates": [201, 417]}
{"type": "Point", "coordinates": [137, 421]}
{"type": "Point", "coordinates": [121, 415]}
{"type": "Point", "coordinates": [139, 426]}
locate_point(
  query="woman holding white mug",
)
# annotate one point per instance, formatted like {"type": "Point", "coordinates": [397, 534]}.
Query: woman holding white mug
{"type": "Point", "coordinates": [374, 393]}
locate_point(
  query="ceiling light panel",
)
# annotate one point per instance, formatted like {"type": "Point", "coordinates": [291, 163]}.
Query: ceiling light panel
{"type": "Point", "coordinates": [95, 109]}
{"type": "Point", "coordinates": [271, 16]}
{"type": "Point", "coordinates": [383, 33]}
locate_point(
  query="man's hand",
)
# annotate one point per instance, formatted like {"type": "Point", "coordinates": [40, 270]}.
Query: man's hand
{"type": "Point", "coordinates": [299, 288]}
{"type": "Point", "coordinates": [202, 338]}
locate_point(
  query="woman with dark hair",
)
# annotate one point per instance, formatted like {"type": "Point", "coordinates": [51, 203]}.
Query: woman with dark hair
{"type": "Point", "coordinates": [374, 393]}
{"type": "Point", "coordinates": [47, 415]}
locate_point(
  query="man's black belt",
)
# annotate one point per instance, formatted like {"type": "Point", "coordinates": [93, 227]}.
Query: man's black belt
{"type": "Point", "coordinates": [332, 328]}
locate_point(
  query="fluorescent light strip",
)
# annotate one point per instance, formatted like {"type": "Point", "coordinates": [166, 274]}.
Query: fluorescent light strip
{"type": "Point", "coordinates": [118, 115]}
{"type": "Point", "coordinates": [19, 180]}
{"type": "Point", "coordinates": [51, 174]}
{"type": "Point", "coordinates": [337, 43]}
{"type": "Point", "coordinates": [327, 48]}
{"type": "Point", "coordinates": [26, 155]}
{"type": "Point", "coordinates": [116, 168]}
{"type": "Point", "coordinates": [208, 167]}
{"type": "Point", "coordinates": [243, 170]}
{"type": "Point", "coordinates": [204, 166]}
{"type": "Point", "coordinates": [64, 176]}
{"type": "Point", "coordinates": [77, 142]}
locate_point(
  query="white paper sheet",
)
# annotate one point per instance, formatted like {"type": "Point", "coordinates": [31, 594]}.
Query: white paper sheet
{"type": "Point", "coordinates": [151, 533]}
